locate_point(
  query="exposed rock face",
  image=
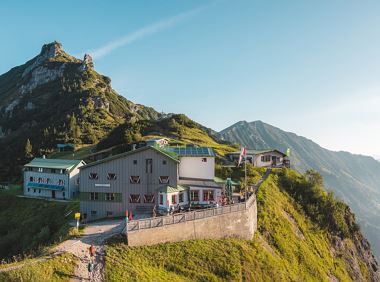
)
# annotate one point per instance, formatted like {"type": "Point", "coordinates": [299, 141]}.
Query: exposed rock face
{"type": "Point", "coordinates": [42, 75]}
{"type": "Point", "coordinates": [361, 248]}
{"type": "Point", "coordinates": [87, 63]}
{"type": "Point", "coordinates": [48, 51]}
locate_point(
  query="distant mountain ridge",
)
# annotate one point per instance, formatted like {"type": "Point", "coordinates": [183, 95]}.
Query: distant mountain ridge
{"type": "Point", "coordinates": [353, 178]}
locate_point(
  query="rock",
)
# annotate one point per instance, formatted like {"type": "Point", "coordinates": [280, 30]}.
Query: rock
{"type": "Point", "coordinates": [48, 51]}
{"type": "Point", "coordinates": [87, 63]}
{"type": "Point", "coordinates": [42, 75]}
{"type": "Point", "coordinates": [30, 106]}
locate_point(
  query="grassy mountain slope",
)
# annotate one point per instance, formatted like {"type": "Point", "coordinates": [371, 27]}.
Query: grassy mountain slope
{"type": "Point", "coordinates": [56, 98]}
{"type": "Point", "coordinates": [29, 225]}
{"type": "Point", "coordinates": [354, 178]}
{"type": "Point", "coordinates": [292, 244]}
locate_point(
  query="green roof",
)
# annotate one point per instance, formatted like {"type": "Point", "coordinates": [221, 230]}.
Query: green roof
{"type": "Point", "coordinates": [169, 189]}
{"type": "Point", "coordinates": [53, 163]}
{"type": "Point", "coordinates": [219, 180]}
{"type": "Point", "coordinates": [170, 155]}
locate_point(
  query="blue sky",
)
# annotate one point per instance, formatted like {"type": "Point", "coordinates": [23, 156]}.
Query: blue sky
{"type": "Point", "coordinates": [310, 67]}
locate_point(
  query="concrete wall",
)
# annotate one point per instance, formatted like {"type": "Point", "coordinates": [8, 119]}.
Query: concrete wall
{"type": "Point", "coordinates": [194, 167]}
{"type": "Point", "coordinates": [241, 224]}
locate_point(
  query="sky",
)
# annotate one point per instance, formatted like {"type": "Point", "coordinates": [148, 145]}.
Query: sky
{"type": "Point", "coordinates": [309, 67]}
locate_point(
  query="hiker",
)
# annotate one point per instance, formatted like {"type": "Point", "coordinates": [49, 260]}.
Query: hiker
{"type": "Point", "coordinates": [90, 268]}
{"type": "Point", "coordinates": [92, 250]}
{"type": "Point", "coordinates": [154, 211]}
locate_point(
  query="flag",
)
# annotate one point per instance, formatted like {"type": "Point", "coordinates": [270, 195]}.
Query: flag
{"type": "Point", "coordinates": [242, 155]}
{"type": "Point", "coordinates": [288, 152]}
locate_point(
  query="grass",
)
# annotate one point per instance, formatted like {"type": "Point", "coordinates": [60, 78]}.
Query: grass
{"type": "Point", "coordinates": [27, 226]}
{"type": "Point", "coordinates": [83, 152]}
{"type": "Point", "coordinates": [288, 246]}
{"type": "Point", "coordinates": [59, 268]}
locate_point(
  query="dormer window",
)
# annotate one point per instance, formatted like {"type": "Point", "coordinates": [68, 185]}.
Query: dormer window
{"type": "Point", "coordinates": [111, 176]}
{"type": "Point", "coordinates": [93, 176]}
{"type": "Point", "coordinates": [134, 179]}
{"type": "Point", "coordinates": [204, 160]}
{"type": "Point", "coordinates": [164, 179]}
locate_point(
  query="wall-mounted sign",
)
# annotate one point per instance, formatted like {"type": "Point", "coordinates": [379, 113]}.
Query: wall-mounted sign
{"type": "Point", "coordinates": [103, 185]}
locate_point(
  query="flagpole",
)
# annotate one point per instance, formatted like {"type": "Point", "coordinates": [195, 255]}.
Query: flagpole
{"type": "Point", "coordinates": [245, 178]}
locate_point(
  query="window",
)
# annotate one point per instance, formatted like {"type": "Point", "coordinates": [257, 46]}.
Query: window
{"type": "Point", "coordinates": [63, 194]}
{"type": "Point", "coordinates": [94, 196]}
{"type": "Point", "coordinates": [111, 176]}
{"type": "Point", "coordinates": [265, 158]}
{"type": "Point", "coordinates": [134, 179]}
{"type": "Point", "coordinates": [39, 191]}
{"type": "Point", "coordinates": [39, 180]}
{"type": "Point", "coordinates": [208, 195]}
{"type": "Point", "coordinates": [164, 179]}
{"type": "Point", "coordinates": [174, 199]}
{"type": "Point", "coordinates": [34, 190]}
{"type": "Point", "coordinates": [148, 198]}
{"type": "Point", "coordinates": [164, 162]}
{"type": "Point", "coordinates": [61, 182]}
{"type": "Point", "coordinates": [93, 175]}
{"type": "Point", "coordinates": [93, 212]}
{"type": "Point", "coordinates": [53, 170]}
{"type": "Point", "coordinates": [148, 165]}
{"type": "Point", "coordinates": [28, 189]}
{"type": "Point", "coordinates": [40, 169]}
{"type": "Point", "coordinates": [135, 162]}
{"type": "Point", "coordinates": [194, 195]}
{"type": "Point", "coordinates": [48, 180]}
{"type": "Point", "coordinates": [204, 160]}
{"type": "Point", "coordinates": [109, 213]}
{"type": "Point", "coordinates": [31, 179]}
{"type": "Point", "coordinates": [161, 199]}
{"type": "Point", "coordinates": [110, 196]}
{"type": "Point", "coordinates": [180, 197]}
{"type": "Point", "coordinates": [134, 198]}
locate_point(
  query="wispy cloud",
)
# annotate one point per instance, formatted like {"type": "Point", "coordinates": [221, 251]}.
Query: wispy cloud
{"type": "Point", "coordinates": [144, 32]}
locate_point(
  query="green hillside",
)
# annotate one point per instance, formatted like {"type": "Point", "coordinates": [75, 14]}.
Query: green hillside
{"type": "Point", "coordinates": [354, 178]}
{"type": "Point", "coordinates": [27, 226]}
{"type": "Point", "coordinates": [295, 241]}
{"type": "Point", "coordinates": [56, 98]}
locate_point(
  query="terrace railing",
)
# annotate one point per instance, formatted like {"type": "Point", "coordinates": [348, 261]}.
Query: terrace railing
{"type": "Point", "coordinates": [135, 225]}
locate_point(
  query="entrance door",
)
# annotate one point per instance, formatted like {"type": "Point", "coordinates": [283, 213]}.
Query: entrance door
{"type": "Point", "coordinates": [53, 194]}
{"type": "Point", "coordinates": [274, 162]}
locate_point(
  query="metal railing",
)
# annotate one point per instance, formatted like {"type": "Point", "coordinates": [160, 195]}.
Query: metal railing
{"type": "Point", "coordinates": [135, 225]}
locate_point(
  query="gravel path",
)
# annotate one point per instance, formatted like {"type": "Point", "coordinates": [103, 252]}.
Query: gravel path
{"type": "Point", "coordinates": [94, 234]}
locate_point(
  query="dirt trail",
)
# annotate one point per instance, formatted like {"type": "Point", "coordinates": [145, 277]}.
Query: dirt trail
{"type": "Point", "coordinates": [94, 234]}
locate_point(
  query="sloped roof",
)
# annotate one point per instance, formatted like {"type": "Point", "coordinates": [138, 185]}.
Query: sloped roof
{"type": "Point", "coordinates": [54, 163]}
{"type": "Point", "coordinates": [257, 152]}
{"type": "Point", "coordinates": [170, 189]}
{"type": "Point", "coordinates": [191, 151]}
{"type": "Point", "coordinates": [170, 155]}
{"type": "Point", "coordinates": [206, 183]}
{"type": "Point", "coordinates": [224, 181]}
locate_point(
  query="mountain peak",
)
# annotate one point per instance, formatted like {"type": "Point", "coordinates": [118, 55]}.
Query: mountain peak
{"type": "Point", "coordinates": [51, 50]}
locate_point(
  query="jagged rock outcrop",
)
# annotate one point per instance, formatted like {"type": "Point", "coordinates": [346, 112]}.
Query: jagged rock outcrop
{"type": "Point", "coordinates": [87, 63]}
{"type": "Point", "coordinates": [39, 100]}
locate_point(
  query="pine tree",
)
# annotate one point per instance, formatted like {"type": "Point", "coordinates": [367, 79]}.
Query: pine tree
{"type": "Point", "coordinates": [28, 149]}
